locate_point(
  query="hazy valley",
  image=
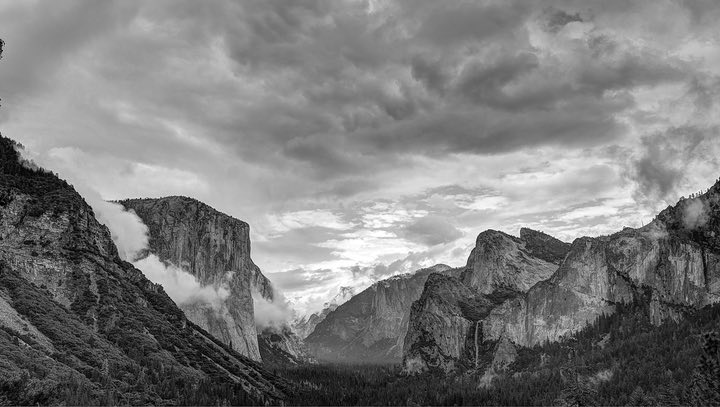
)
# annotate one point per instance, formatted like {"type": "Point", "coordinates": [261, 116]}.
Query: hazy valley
{"type": "Point", "coordinates": [360, 202]}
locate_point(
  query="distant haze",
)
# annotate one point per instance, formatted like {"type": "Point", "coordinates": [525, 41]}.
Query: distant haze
{"type": "Point", "coordinates": [361, 139]}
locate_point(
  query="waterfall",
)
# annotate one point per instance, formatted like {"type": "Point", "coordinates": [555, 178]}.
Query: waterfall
{"type": "Point", "coordinates": [477, 323]}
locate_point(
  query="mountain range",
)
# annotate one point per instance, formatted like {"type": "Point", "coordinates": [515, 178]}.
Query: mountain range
{"type": "Point", "coordinates": [80, 325]}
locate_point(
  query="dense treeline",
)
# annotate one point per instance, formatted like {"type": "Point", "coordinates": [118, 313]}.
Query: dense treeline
{"type": "Point", "coordinates": [84, 368]}
{"type": "Point", "coordinates": [48, 193]}
{"type": "Point", "coordinates": [621, 359]}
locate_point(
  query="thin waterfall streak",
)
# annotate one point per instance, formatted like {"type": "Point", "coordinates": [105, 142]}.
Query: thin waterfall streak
{"type": "Point", "coordinates": [476, 343]}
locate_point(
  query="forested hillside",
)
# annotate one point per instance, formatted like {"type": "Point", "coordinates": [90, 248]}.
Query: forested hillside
{"type": "Point", "coordinates": [621, 359]}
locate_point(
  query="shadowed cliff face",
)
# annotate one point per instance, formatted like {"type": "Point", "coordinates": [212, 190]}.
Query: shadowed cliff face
{"type": "Point", "coordinates": [74, 314]}
{"type": "Point", "coordinates": [673, 263]}
{"type": "Point", "coordinates": [371, 326]}
{"type": "Point", "coordinates": [215, 248]}
{"type": "Point", "coordinates": [441, 322]}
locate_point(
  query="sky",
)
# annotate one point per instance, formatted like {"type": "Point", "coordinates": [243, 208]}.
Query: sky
{"type": "Point", "coordinates": [362, 139]}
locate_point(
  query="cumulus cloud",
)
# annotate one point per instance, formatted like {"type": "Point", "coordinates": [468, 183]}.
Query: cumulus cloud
{"type": "Point", "coordinates": [180, 285]}
{"type": "Point", "coordinates": [668, 161]}
{"type": "Point", "coordinates": [298, 279]}
{"type": "Point", "coordinates": [130, 236]}
{"type": "Point", "coordinates": [432, 230]}
{"type": "Point", "coordinates": [276, 313]}
{"type": "Point", "coordinates": [695, 213]}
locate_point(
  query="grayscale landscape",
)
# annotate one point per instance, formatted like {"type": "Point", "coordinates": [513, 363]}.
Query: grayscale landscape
{"type": "Point", "coordinates": [360, 202]}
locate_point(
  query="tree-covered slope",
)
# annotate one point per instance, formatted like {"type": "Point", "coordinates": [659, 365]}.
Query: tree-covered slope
{"type": "Point", "coordinates": [80, 326]}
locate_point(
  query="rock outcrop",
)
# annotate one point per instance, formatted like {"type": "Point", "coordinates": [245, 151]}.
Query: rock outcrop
{"type": "Point", "coordinates": [446, 328]}
{"type": "Point", "coordinates": [672, 263]}
{"type": "Point", "coordinates": [305, 325]}
{"type": "Point", "coordinates": [443, 324]}
{"type": "Point", "coordinates": [215, 248]}
{"type": "Point", "coordinates": [80, 325]}
{"type": "Point", "coordinates": [501, 261]}
{"type": "Point", "coordinates": [672, 269]}
{"type": "Point", "coordinates": [281, 347]}
{"type": "Point", "coordinates": [371, 326]}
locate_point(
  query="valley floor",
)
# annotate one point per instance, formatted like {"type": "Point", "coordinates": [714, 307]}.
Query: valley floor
{"type": "Point", "coordinates": [621, 359]}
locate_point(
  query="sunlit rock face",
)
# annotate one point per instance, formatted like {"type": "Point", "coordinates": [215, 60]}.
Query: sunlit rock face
{"type": "Point", "coordinates": [501, 261]}
{"type": "Point", "coordinates": [672, 263]}
{"type": "Point", "coordinates": [64, 287]}
{"type": "Point", "coordinates": [442, 322]}
{"type": "Point", "coordinates": [652, 261]}
{"type": "Point", "coordinates": [371, 326]}
{"type": "Point", "coordinates": [215, 248]}
{"type": "Point", "coordinates": [446, 324]}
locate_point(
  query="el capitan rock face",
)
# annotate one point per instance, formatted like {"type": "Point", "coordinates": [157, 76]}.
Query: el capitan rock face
{"type": "Point", "coordinates": [673, 263]}
{"type": "Point", "coordinates": [75, 316]}
{"type": "Point", "coordinates": [371, 326]}
{"type": "Point", "coordinates": [215, 248]}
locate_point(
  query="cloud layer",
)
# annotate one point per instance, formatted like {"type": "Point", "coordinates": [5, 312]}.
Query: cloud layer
{"type": "Point", "coordinates": [352, 133]}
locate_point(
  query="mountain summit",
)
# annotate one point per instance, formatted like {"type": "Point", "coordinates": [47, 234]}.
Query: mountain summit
{"type": "Point", "coordinates": [80, 326]}
{"type": "Point", "coordinates": [509, 297]}
{"type": "Point", "coordinates": [215, 248]}
{"type": "Point", "coordinates": [371, 326]}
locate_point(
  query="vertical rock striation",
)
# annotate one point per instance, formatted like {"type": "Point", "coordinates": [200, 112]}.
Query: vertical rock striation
{"type": "Point", "coordinates": [371, 326]}
{"type": "Point", "coordinates": [215, 248]}
{"type": "Point", "coordinates": [306, 325]}
{"type": "Point", "coordinates": [281, 347]}
{"type": "Point", "coordinates": [501, 261]}
{"type": "Point", "coordinates": [673, 263]}
{"type": "Point", "coordinates": [77, 315]}
{"type": "Point", "coordinates": [446, 320]}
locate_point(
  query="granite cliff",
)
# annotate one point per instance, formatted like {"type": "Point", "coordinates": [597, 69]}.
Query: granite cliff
{"type": "Point", "coordinates": [671, 263]}
{"type": "Point", "coordinates": [371, 326]}
{"type": "Point", "coordinates": [502, 261]}
{"type": "Point", "coordinates": [215, 248]}
{"type": "Point", "coordinates": [79, 325]}
{"type": "Point", "coordinates": [305, 325]}
{"type": "Point", "coordinates": [445, 328]}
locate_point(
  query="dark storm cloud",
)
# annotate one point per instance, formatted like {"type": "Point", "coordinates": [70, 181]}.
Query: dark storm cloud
{"type": "Point", "coordinates": [432, 230]}
{"type": "Point", "coordinates": [490, 132]}
{"type": "Point", "coordinates": [342, 91]}
{"type": "Point", "coordinates": [299, 279]}
{"type": "Point", "coordinates": [62, 29]}
{"type": "Point", "coordinates": [665, 158]}
{"type": "Point", "coordinates": [299, 244]}
{"type": "Point", "coordinates": [429, 72]}
{"type": "Point", "coordinates": [557, 19]}
{"type": "Point", "coordinates": [483, 83]}
{"type": "Point", "coordinates": [450, 25]}
{"type": "Point", "coordinates": [526, 111]}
